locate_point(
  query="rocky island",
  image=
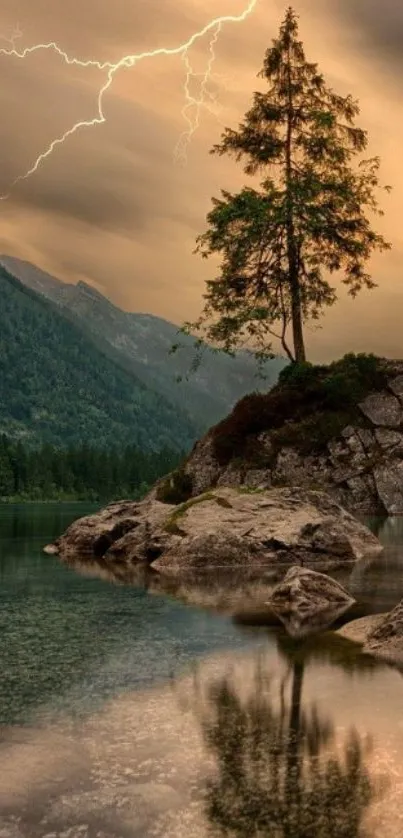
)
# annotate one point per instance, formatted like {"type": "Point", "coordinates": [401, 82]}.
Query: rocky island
{"type": "Point", "coordinates": [223, 527]}
{"type": "Point", "coordinates": [273, 487]}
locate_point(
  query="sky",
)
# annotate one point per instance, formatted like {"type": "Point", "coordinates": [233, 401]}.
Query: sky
{"type": "Point", "coordinates": [114, 207]}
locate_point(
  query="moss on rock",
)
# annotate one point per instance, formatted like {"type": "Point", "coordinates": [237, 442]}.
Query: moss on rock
{"type": "Point", "coordinates": [172, 526]}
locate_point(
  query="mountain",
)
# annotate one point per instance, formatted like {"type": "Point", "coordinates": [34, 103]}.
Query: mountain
{"type": "Point", "coordinates": [141, 344]}
{"type": "Point", "coordinates": [59, 386]}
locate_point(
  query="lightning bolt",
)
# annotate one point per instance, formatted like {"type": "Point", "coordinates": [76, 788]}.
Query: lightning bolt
{"type": "Point", "coordinates": [16, 33]}
{"type": "Point", "coordinates": [191, 111]}
{"type": "Point", "coordinates": [127, 62]}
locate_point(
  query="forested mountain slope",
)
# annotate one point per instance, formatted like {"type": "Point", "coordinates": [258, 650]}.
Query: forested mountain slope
{"type": "Point", "coordinates": [58, 386]}
{"type": "Point", "coordinates": [141, 342]}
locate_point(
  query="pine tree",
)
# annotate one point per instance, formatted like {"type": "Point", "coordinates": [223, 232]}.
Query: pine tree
{"type": "Point", "coordinates": [281, 243]}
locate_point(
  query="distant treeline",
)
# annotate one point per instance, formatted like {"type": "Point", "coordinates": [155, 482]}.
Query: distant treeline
{"type": "Point", "coordinates": [79, 473]}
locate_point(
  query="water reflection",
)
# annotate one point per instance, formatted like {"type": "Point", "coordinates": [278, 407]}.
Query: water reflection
{"type": "Point", "coordinates": [281, 770]}
{"type": "Point", "coordinates": [244, 744]}
{"type": "Point", "coordinates": [243, 595]}
{"type": "Point", "coordinates": [150, 720]}
{"type": "Point", "coordinates": [236, 593]}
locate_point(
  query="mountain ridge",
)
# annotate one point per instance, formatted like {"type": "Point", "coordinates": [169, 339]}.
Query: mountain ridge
{"type": "Point", "coordinates": [58, 386]}
{"type": "Point", "coordinates": [141, 342]}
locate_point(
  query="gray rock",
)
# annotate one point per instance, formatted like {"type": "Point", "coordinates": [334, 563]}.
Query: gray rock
{"type": "Point", "coordinates": [96, 534]}
{"type": "Point", "coordinates": [216, 548]}
{"type": "Point", "coordinates": [225, 527]}
{"type": "Point", "coordinates": [9, 830]}
{"type": "Point", "coordinates": [389, 439]}
{"type": "Point", "coordinates": [366, 437]}
{"type": "Point", "coordinates": [383, 409]}
{"type": "Point", "coordinates": [356, 445]}
{"type": "Point", "coordinates": [389, 484]}
{"type": "Point", "coordinates": [204, 469]}
{"type": "Point", "coordinates": [380, 635]}
{"type": "Point", "coordinates": [362, 487]}
{"type": "Point", "coordinates": [359, 630]}
{"type": "Point", "coordinates": [307, 601]}
{"type": "Point", "coordinates": [396, 385]}
{"type": "Point", "coordinates": [257, 479]}
{"type": "Point", "coordinates": [386, 639]}
{"type": "Point", "coordinates": [233, 476]}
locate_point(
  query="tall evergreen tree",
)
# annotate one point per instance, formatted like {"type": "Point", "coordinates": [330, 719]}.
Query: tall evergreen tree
{"type": "Point", "coordinates": [310, 218]}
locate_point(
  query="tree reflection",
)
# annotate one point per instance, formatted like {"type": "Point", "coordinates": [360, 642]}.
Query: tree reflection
{"type": "Point", "coordinates": [280, 771]}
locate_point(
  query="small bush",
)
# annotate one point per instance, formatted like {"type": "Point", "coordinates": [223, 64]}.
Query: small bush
{"type": "Point", "coordinates": [176, 488]}
{"type": "Point", "coordinates": [299, 375]}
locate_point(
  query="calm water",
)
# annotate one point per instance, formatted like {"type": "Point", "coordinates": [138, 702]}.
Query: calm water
{"type": "Point", "coordinates": [126, 713]}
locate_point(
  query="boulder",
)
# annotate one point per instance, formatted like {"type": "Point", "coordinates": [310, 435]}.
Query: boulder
{"type": "Point", "coordinates": [383, 409]}
{"type": "Point", "coordinates": [389, 483]}
{"type": "Point", "coordinates": [385, 640]}
{"type": "Point", "coordinates": [381, 635]}
{"type": "Point", "coordinates": [223, 528]}
{"type": "Point", "coordinates": [359, 630]}
{"type": "Point", "coordinates": [396, 385]}
{"type": "Point", "coordinates": [307, 601]}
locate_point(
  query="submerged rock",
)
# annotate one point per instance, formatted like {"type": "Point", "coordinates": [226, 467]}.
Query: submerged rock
{"type": "Point", "coordinates": [223, 528]}
{"type": "Point", "coordinates": [307, 601]}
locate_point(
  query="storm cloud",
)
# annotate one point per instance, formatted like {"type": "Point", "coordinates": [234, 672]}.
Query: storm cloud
{"type": "Point", "coordinates": [112, 207]}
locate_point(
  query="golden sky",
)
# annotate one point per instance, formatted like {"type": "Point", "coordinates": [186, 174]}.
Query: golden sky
{"type": "Point", "coordinates": [110, 206]}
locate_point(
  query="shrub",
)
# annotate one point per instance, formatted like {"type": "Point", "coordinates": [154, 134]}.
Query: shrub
{"type": "Point", "coordinates": [176, 488]}
{"type": "Point", "coordinates": [296, 375]}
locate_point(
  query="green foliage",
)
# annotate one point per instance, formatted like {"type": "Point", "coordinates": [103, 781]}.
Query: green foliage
{"type": "Point", "coordinates": [138, 343]}
{"type": "Point", "coordinates": [298, 374]}
{"type": "Point", "coordinates": [57, 387]}
{"type": "Point", "coordinates": [309, 406]}
{"type": "Point", "coordinates": [342, 382]}
{"type": "Point", "coordinates": [83, 473]}
{"type": "Point", "coordinates": [175, 488]}
{"type": "Point", "coordinates": [279, 244]}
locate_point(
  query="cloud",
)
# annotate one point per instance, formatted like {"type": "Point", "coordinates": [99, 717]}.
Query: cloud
{"type": "Point", "coordinates": [110, 206]}
{"type": "Point", "coordinates": [380, 26]}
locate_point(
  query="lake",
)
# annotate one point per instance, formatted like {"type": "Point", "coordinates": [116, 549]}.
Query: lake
{"type": "Point", "coordinates": [126, 713]}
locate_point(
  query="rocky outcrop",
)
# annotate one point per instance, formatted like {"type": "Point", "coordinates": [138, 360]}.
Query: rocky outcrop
{"type": "Point", "coordinates": [360, 466]}
{"type": "Point", "coordinates": [307, 601]}
{"type": "Point", "coordinates": [223, 528]}
{"type": "Point", "coordinates": [380, 635]}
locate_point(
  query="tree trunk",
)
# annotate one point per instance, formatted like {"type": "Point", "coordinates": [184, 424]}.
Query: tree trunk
{"type": "Point", "coordinates": [292, 251]}
{"type": "Point", "coordinates": [297, 333]}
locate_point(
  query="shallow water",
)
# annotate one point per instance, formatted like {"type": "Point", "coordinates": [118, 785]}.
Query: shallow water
{"type": "Point", "coordinates": [125, 713]}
